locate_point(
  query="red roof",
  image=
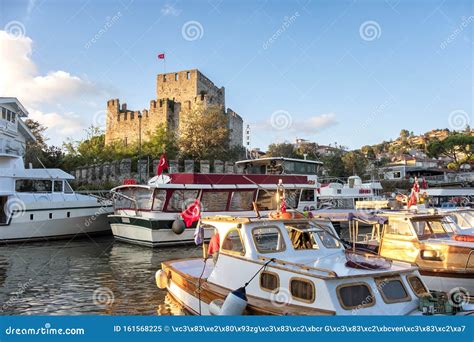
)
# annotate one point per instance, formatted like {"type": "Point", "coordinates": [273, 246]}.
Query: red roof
{"type": "Point", "coordinates": [200, 178]}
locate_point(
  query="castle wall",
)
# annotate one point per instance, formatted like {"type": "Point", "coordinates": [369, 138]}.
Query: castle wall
{"type": "Point", "coordinates": [236, 127]}
{"type": "Point", "coordinates": [177, 94]}
{"type": "Point", "coordinates": [123, 125]}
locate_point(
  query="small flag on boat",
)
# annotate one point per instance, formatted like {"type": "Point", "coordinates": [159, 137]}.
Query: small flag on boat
{"type": "Point", "coordinates": [162, 165]}
{"type": "Point", "coordinates": [192, 213]}
{"type": "Point", "coordinates": [161, 56]}
{"type": "Point", "coordinates": [283, 206]}
{"type": "Point", "coordinates": [424, 185]}
{"type": "Point", "coordinates": [199, 235]}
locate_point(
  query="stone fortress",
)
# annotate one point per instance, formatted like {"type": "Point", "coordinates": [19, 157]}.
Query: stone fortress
{"type": "Point", "coordinates": [176, 94]}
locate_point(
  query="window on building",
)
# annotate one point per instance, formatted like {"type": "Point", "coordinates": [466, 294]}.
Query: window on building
{"type": "Point", "coordinates": [180, 199]}
{"type": "Point", "coordinates": [269, 281]}
{"type": "Point", "coordinates": [176, 77]}
{"type": "Point", "coordinates": [164, 78]}
{"type": "Point", "coordinates": [233, 242]}
{"type": "Point", "coordinates": [241, 200]}
{"type": "Point", "coordinates": [268, 239]}
{"type": "Point", "coordinates": [302, 289]}
{"type": "Point", "coordinates": [355, 296]}
{"type": "Point", "coordinates": [392, 290]}
{"type": "Point", "coordinates": [214, 200]}
{"type": "Point", "coordinates": [188, 75]}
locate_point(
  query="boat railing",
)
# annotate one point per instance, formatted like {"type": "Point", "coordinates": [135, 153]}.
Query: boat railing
{"type": "Point", "coordinates": [330, 273]}
{"type": "Point", "coordinates": [99, 194]}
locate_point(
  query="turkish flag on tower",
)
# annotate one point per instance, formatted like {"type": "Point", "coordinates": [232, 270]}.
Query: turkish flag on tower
{"type": "Point", "coordinates": [161, 56]}
{"type": "Point", "coordinates": [162, 165]}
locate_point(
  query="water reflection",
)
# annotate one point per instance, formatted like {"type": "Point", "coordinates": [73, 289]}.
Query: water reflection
{"type": "Point", "coordinates": [87, 276]}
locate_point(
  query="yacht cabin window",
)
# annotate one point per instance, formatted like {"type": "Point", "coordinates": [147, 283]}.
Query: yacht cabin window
{"type": "Point", "coordinates": [328, 241]}
{"type": "Point", "coordinates": [58, 186]}
{"type": "Point", "coordinates": [302, 239]}
{"type": "Point", "coordinates": [33, 185]}
{"type": "Point", "coordinates": [267, 199]}
{"type": "Point", "coordinates": [268, 239]}
{"type": "Point", "coordinates": [355, 296]}
{"type": "Point", "coordinates": [159, 201]}
{"type": "Point", "coordinates": [67, 188]}
{"type": "Point", "coordinates": [392, 290]}
{"type": "Point", "coordinates": [144, 198]}
{"type": "Point", "coordinates": [180, 199]}
{"type": "Point", "coordinates": [426, 228]}
{"type": "Point", "coordinates": [241, 200]}
{"type": "Point", "coordinates": [307, 195]}
{"type": "Point", "coordinates": [398, 227]}
{"type": "Point", "coordinates": [214, 200]}
{"type": "Point", "coordinates": [269, 281]}
{"type": "Point", "coordinates": [302, 289]}
{"type": "Point", "coordinates": [233, 242]}
{"type": "Point", "coordinates": [292, 198]}
{"type": "Point", "coordinates": [417, 285]}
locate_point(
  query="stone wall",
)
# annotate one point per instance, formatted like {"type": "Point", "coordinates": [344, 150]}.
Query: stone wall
{"type": "Point", "coordinates": [114, 173]}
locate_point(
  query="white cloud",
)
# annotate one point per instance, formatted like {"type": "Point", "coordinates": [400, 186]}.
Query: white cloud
{"type": "Point", "coordinates": [170, 10]}
{"type": "Point", "coordinates": [316, 123]}
{"type": "Point", "coordinates": [51, 97]}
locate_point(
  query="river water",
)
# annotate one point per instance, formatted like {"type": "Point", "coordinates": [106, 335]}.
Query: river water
{"type": "Point", "coordinates": [85, 276]}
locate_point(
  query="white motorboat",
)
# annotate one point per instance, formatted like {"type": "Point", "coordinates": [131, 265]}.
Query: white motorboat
{"type": "Point", "coordinates": [39, 203]}
{"type": "Point", "coordinates": [289, 267]}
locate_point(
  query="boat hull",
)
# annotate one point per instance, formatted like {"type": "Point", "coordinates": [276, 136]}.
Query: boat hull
{"type": "Point", "coordinates": [60, 223]}
{"type": "Point", "coordinates": [151, 233]}
{"type": "Point", "coordinates": [449, 282]}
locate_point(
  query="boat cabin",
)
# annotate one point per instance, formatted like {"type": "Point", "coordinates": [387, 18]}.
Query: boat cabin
{"type": "Point", "coordinates": [306, 266]}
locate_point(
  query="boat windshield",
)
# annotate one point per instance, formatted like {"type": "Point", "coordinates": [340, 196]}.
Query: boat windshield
{"type": "Point", "coordinates": [427, 228]}
{"type": "Point", "coordinates": [463, 219]}
{"type": "Point", "coordinates": [305, 236]}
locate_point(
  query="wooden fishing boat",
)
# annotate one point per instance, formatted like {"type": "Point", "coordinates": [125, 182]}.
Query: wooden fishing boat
{"type": "Point", "coordinates": [289, 267]}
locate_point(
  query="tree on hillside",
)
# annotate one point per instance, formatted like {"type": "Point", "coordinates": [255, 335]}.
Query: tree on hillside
{"type": "Point", "coordinates": [204, 135]}
{"type": "Point", "coordinates": [458, 147]}
{"type": "Point", "coordinates": [38, 153]}
{"type": "Point", "coordinates": [333, 164]}
{"type": "Point", "coordinates": [355, 163]}
{"type": "Point", "coordinates": [286, 150]}
{"type": "Point", "coordinates": [310, 149]}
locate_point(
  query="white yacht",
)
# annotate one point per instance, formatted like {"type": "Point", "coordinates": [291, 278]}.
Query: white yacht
{"type": "Point", "coordinates": [39, 203]}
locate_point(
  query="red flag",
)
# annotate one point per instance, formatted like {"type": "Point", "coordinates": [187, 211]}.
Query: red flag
{"type": "Point", "coordinates": [283, 206]}
{"type": "Point", "coordinates": [424, 185]}
{"type": "Point", "coordinates": [162, 165]}
{"type": "Point", "coordinates": [161, 56]}
{"type": "Point", "coordinates": [411, 200]}
{"type": "Point", "coordinates": [192, 213]}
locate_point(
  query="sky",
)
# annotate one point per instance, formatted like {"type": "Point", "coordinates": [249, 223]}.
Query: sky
{"type": "Point", "coordinates": [346, 72]}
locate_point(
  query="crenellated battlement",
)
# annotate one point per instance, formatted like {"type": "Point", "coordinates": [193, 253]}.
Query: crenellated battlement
{"type": "Point", "coordinates": [177, 93]}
